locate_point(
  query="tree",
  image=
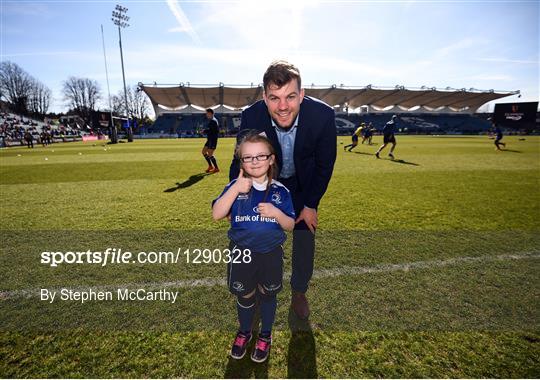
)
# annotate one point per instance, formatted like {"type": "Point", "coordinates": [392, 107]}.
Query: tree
{"type": "Point", "coordinates": [26, 94]}
{"type": "Point", "coordinates": [40, 98]}
{"type": "Point", "coordinates": [82, 95]}
{"type": "Point", "coordinates": [138, 103]}
{"type": "Point", "coordinates": [15, 86]}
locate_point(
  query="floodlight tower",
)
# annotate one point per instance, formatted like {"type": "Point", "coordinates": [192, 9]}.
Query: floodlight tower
{"type": "Point", "coordinates": [120, 19]}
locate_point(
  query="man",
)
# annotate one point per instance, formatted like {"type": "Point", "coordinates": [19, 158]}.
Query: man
{"type": "Point", "coordinates": [369, 133]}
{"type": "Point", "coordinates": [212, 132]}
{"type": "Point", "coordinates": [303, 133]}
{"type": "Point", "coordinates": [356, 134]}
{"type": "Point", "coordinates": [388, 137]}
{"type": "Point", "coordinates": [29, 139]}
{"type": "Point", "coordinates": [498, 137]}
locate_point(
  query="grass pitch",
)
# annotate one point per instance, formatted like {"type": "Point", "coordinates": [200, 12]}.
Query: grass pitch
{"type": "Point", "coordinates": [426, 266]}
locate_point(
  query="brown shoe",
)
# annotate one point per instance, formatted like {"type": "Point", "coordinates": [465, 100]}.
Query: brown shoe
{"type": "Point", "coordinates": [300, 305]}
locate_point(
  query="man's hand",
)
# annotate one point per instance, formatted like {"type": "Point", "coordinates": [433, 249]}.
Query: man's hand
{"type": "Point", "coordinates": [243, 184]}
{"type": "Point", "coordinates": [268, 210]}
{"type": "Point", "coordinates": [309, 216]}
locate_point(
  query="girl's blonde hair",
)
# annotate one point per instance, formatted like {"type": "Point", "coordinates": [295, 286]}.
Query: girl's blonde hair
{"type": "Point", "coordinates": [256, 138]}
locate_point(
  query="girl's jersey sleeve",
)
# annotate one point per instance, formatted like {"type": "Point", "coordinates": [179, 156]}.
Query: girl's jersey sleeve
{"type": "Point", "coordinates": [227, 187]}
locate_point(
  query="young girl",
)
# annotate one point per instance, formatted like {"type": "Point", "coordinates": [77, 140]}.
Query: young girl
{"type": "Point", "coordinates": [260, 208]}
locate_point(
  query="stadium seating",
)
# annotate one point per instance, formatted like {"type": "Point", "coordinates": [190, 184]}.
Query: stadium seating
{"type": "Point", "coordinates": [192, 125]}
{"type": "Point", "coordinates": [411, 123]}
{"type": "Point", "coordinates": [13, 127]}
{"type": "Point", "coordinates": [186, 125]}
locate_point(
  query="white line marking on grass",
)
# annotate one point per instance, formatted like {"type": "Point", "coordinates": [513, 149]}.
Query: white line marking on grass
{"type": "Point", "coordinates": [405, 267]}
{"type": "Point", "coordinates": [319, 273]}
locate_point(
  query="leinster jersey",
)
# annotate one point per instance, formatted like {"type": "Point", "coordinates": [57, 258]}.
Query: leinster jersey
{"type": "Point", "coordinates": [251, 230]}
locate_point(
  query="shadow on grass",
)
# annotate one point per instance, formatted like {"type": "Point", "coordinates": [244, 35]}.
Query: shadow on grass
{"type": "Point", "coordinates": [187, 183]}
{"type": "Point", "coordinates": [511, 150]}
{"type": "Point", "coordinates": [301, 359]}
{"type": "Point", "coordinates": [246, 368]}
{"type": "Point", "coordinates": [119, 142]}
{"type": "Point", "coordinates": [365, 153]}
{"type": "Point", "coordinates": [405, 162]}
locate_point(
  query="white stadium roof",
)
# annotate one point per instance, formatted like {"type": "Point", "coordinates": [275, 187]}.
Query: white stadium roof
{"type": "Point", "coordinates": [190, 98]}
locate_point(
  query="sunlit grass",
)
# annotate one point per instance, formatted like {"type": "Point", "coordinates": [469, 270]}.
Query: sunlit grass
{"type": "Point", "coordinates": [442, 198]}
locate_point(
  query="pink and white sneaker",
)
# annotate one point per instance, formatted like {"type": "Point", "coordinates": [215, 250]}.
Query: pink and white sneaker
{"type": "Point", "coordinates": [239, 346]}
{"type": "Point", "coordinates": [262, 349]}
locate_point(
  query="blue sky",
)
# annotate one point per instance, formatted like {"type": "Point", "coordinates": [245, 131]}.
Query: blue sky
{"type": "Point", "coordinates": [460, 44]}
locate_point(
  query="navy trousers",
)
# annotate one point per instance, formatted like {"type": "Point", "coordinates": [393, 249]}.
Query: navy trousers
{"type": "Point", "coordinates": [303, 251]}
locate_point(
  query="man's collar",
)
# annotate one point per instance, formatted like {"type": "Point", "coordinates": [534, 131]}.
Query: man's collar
{"type": "Point", "coordinates": [295, 124]}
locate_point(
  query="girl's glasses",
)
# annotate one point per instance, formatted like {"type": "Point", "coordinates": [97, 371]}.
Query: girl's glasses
{"type": "Point", "coordinates": [260, 157]}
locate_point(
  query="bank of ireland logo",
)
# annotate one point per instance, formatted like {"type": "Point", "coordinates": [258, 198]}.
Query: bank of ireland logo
{"type": "Point", "coordinates": [256, 210]}
{"type": "Point", "coordinates": [276, 198]}
{"type": "Point", "coordinates": [238, 286]}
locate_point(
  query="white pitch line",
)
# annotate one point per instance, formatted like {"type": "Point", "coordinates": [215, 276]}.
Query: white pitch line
{"type": "Point", "coordinates": [317, 274]}
{"type": "Point", "coordinates": [405, 267]}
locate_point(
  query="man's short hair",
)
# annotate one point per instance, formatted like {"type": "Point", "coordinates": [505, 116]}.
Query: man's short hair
{"type": "Point", "coordinates": [280, 73]}
{"type": "Point", "coordinates": [210, 110]}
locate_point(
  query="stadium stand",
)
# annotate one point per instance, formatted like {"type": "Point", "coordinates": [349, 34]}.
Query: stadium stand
{"type": "Point", "coordinates": [434, 123]}
{"type": "Point", "coordinates": [179, 108]}
{"type": "Point", "coordinates": [13, 128]}
{"type": "Point", "coordinates": [192, 125]}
